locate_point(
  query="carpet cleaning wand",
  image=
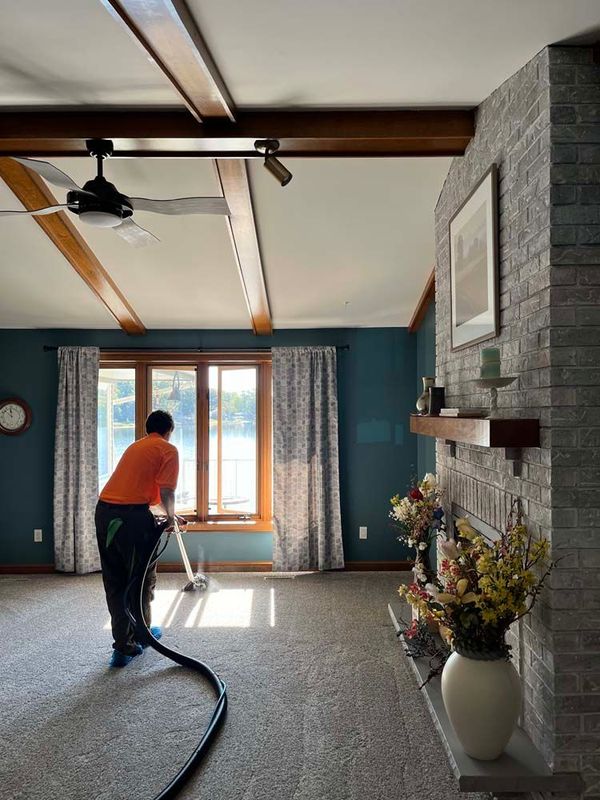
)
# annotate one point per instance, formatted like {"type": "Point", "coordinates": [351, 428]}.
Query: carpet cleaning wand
{"type": "Point", "coordinates": [133, 606]}
{"type": "Point", "coordinates": [196, 581]}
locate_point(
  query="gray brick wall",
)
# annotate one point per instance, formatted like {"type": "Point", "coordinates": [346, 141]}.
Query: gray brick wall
{"type": "Point", "coordinates": [542, 129]}
{"type": "Point", "coordinates": [575, 413]}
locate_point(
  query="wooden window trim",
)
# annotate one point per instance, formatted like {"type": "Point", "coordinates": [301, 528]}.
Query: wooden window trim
{"type": "Point", "coordinates": [144, 362]}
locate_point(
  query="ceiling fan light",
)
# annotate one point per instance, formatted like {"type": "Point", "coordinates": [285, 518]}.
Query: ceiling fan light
{"type": "Point", "coordinates": [100, 219]}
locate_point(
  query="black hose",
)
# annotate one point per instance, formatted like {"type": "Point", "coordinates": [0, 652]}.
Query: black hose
{"type": "Point", "coordinates": [134, 609]}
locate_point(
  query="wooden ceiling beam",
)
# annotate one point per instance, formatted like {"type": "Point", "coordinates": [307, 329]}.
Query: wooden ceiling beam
{"type": "Point", "coordinates": [427, 297]}
{"type": "Point", "coordinates": [33, 193]}
{"type": "Point", "coordinates": [168, 33]}
{"type": "Point", "coordinates": [233, 177]}
{"type": "Point", "coordinates": [307, 133]}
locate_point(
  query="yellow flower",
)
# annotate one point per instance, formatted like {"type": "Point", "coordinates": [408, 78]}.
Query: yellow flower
{"type": "Point", "coordinates": [461, 589]}
{"type": "Point", "coordinates": [465, 528]}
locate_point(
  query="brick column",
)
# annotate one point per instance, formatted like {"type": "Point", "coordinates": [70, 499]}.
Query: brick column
{"type": "Point", "coordinates": [542, 128]}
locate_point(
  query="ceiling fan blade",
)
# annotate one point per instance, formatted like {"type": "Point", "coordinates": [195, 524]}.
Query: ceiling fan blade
{"type": "Point", "coordinates": [134, 234]}
{"type": "Point", "coordinates": [35, 213]}
{"type": "Point", "coordinates": [50, 173]}
{"type": "Point", "coordinates": [182, 205]}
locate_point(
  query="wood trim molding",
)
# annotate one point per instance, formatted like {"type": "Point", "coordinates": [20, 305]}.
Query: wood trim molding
{"type": "Point", "coordinates": [164, 357]}
{"type": "Point", "coordinates": [267, 566]}
{"type": "Point", "coordinates": [33, 193]}
{"type": "Point", "coordinates": [233, 177]}
{"type": "Point", "coordinates": [308, 133]}
{"type": "Point", "coordinates": [427, 297]}
{"type": "Point", "coordinates": [26, 569]}
{"type": "Point", "coordinates": [379, 566]}
{"type": "Point", "coordinates": [220, 566]}
{"type": "Point", "coordinates": [168, 33]}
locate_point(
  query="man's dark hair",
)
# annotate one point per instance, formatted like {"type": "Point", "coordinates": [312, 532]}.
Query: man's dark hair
{"type": "Point", "coordinates": [159, 422]}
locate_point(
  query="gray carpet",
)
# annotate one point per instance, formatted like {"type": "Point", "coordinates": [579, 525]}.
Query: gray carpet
{"type": "Point", "coordinates": [322, 705]}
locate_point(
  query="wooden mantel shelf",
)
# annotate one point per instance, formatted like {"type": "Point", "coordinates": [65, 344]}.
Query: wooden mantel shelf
{"type": "Point", "coordinates": [511, 433]}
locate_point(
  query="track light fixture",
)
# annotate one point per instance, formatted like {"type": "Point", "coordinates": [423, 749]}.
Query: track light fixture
{"type": "Point", "coordinates": [267, 147]}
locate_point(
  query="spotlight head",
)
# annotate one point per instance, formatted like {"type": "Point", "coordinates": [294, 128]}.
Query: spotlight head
{"type": "Point", "coordinates": [278, 171]}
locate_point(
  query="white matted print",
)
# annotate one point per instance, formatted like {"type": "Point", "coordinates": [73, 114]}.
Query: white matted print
{"type": "Point", "coordinates": [474, 265]}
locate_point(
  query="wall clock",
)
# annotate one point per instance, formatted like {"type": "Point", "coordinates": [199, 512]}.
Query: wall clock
{"type": "Point", "coordinates": [15, 416]}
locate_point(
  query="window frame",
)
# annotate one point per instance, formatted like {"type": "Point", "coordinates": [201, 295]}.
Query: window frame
{"type": "Point", "coordinates": [144, 362]}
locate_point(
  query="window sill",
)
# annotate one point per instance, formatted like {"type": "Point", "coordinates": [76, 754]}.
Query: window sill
{"type": "Point", "coordinates": [239, 526]}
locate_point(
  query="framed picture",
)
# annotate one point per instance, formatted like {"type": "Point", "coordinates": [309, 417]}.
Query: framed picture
{"type": "Point", "coordinates": [474, 314]}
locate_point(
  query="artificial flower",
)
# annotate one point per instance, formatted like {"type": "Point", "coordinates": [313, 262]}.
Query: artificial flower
{"type": "Point", "coordinates": [465, 528]}
{"type": "Point", "coordinates": [429, 482]}
{"type": "Point", "coordinates": [482, 586]}
{"type": "Point", "coordinates": [449, 549]}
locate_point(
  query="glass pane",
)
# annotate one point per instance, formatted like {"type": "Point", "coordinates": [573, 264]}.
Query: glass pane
{"type": "Point", "coordinates": [116, 418]}
{"type": "Point", "coordinates": [174, 390]}
{"type": "Point", "coordinates": [232, 474]}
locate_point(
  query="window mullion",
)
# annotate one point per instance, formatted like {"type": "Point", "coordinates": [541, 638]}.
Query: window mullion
{"type": "Point", "coordinates": [220, 509]}
{"type": "Point", "coordinates": [202, 428]}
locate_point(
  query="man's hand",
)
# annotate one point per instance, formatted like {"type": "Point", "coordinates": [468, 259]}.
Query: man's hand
{"type": "Point", "coordinates": [181, 523]}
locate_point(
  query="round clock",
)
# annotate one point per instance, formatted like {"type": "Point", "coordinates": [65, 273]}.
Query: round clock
{"type": "Point", "coordinates": [15, 416]}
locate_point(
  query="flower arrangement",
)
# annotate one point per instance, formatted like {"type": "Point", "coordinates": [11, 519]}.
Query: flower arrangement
{"type": "Point", "coordinates": [482, 587]}
{"type": "Point", "coordinates": [419, 517]}
{"type": "Point", "coordinates": [420, 642]}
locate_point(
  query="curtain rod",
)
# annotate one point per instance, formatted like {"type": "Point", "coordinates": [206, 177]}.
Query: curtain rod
{"type": "Point", "coordinates": [51, 347]}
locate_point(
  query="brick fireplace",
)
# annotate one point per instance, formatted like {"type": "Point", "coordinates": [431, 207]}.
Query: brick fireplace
{"type": "Point", "coordinates": [542, 129]}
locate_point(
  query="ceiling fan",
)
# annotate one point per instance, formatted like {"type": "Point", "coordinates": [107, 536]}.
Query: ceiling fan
{"type": "Point", "coordinates": [100, 204]}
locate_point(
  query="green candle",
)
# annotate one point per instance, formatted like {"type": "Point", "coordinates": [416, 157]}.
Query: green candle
{"type": "Point", "coordinates": [490, 362]}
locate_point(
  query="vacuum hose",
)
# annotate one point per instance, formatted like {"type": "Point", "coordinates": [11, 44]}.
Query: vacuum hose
{"type": "Point", "coordinates": [133, 606]}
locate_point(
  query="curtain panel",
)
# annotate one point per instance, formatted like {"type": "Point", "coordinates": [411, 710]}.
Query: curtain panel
{"type": "Point", "coordinates": [306, 487]}
{"type": "Point", "coordinates": [76, 460]}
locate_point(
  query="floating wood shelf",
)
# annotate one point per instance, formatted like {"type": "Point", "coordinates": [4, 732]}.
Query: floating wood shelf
{"type": "Point", "coordinates": [481, 431]}
{"type": "Point", "coordinates": [521, 768]}
{"type": "Point", "coordinates": [511, 434]}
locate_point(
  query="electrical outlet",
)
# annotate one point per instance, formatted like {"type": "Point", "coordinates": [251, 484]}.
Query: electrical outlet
{"type": "Point", "coordinates": [37, 534]}
{"type": "Point", "coordinates": [362, 532]}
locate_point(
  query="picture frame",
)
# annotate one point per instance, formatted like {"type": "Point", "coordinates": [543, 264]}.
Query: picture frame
{"type": "Point", "coordinates": [474, 282]}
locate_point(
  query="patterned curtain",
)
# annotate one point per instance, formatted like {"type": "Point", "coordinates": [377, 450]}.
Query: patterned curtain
{"type": "Point", "coordinates": [306, 487]}
{"type": "Point", "coordinates": [76, 460]}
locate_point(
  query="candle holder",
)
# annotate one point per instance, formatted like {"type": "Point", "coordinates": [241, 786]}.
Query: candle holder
{"type": "Point", "coordinates": [493, 384]}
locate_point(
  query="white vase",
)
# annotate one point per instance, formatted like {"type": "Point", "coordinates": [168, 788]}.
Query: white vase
{"type": "Point", "coordinates": [483, 701]}
{"type": "Point", "coordinates": [423, 399]}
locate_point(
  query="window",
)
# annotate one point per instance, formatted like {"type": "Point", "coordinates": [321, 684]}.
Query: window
{"type": "Point", "coordinates": [232, 461]}
{"type": "Point", "coordinates": [174, 390]}
{"type": "Point", "coordinates": [221, 404]}
{"type": "Point", "coordinates": [116, 418]}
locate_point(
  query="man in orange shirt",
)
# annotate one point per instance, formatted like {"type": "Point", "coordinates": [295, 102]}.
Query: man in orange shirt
{"type": "Point", "coordinates": [145, 476]}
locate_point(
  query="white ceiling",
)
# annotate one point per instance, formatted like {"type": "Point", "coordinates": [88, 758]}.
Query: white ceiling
{"type": "Point", "coordinates": [38, 287]}
{"type": "Point", "coordinates": [348, 242]}
{"type": "Point", "coordinates": [289, 53]}
{"type": "Point", "coordinates": [72, 52]}
{"type": "Point", "coordinates": [190, 278]}
{"type": "Point", "coordinates": [380, 52]}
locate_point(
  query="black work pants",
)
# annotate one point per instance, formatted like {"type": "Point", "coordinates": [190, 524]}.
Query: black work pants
{"type": "Point", "coordinates": [125, 554]}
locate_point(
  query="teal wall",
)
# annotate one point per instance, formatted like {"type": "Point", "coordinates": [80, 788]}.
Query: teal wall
{"type": "Point", "coordinates": [425, 366]}
{"type": "Point", "coordinates": [378, 455]}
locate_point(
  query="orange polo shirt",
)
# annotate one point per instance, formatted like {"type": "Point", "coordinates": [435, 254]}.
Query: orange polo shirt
{"type": "Point", "coordinates": [146, 467]}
